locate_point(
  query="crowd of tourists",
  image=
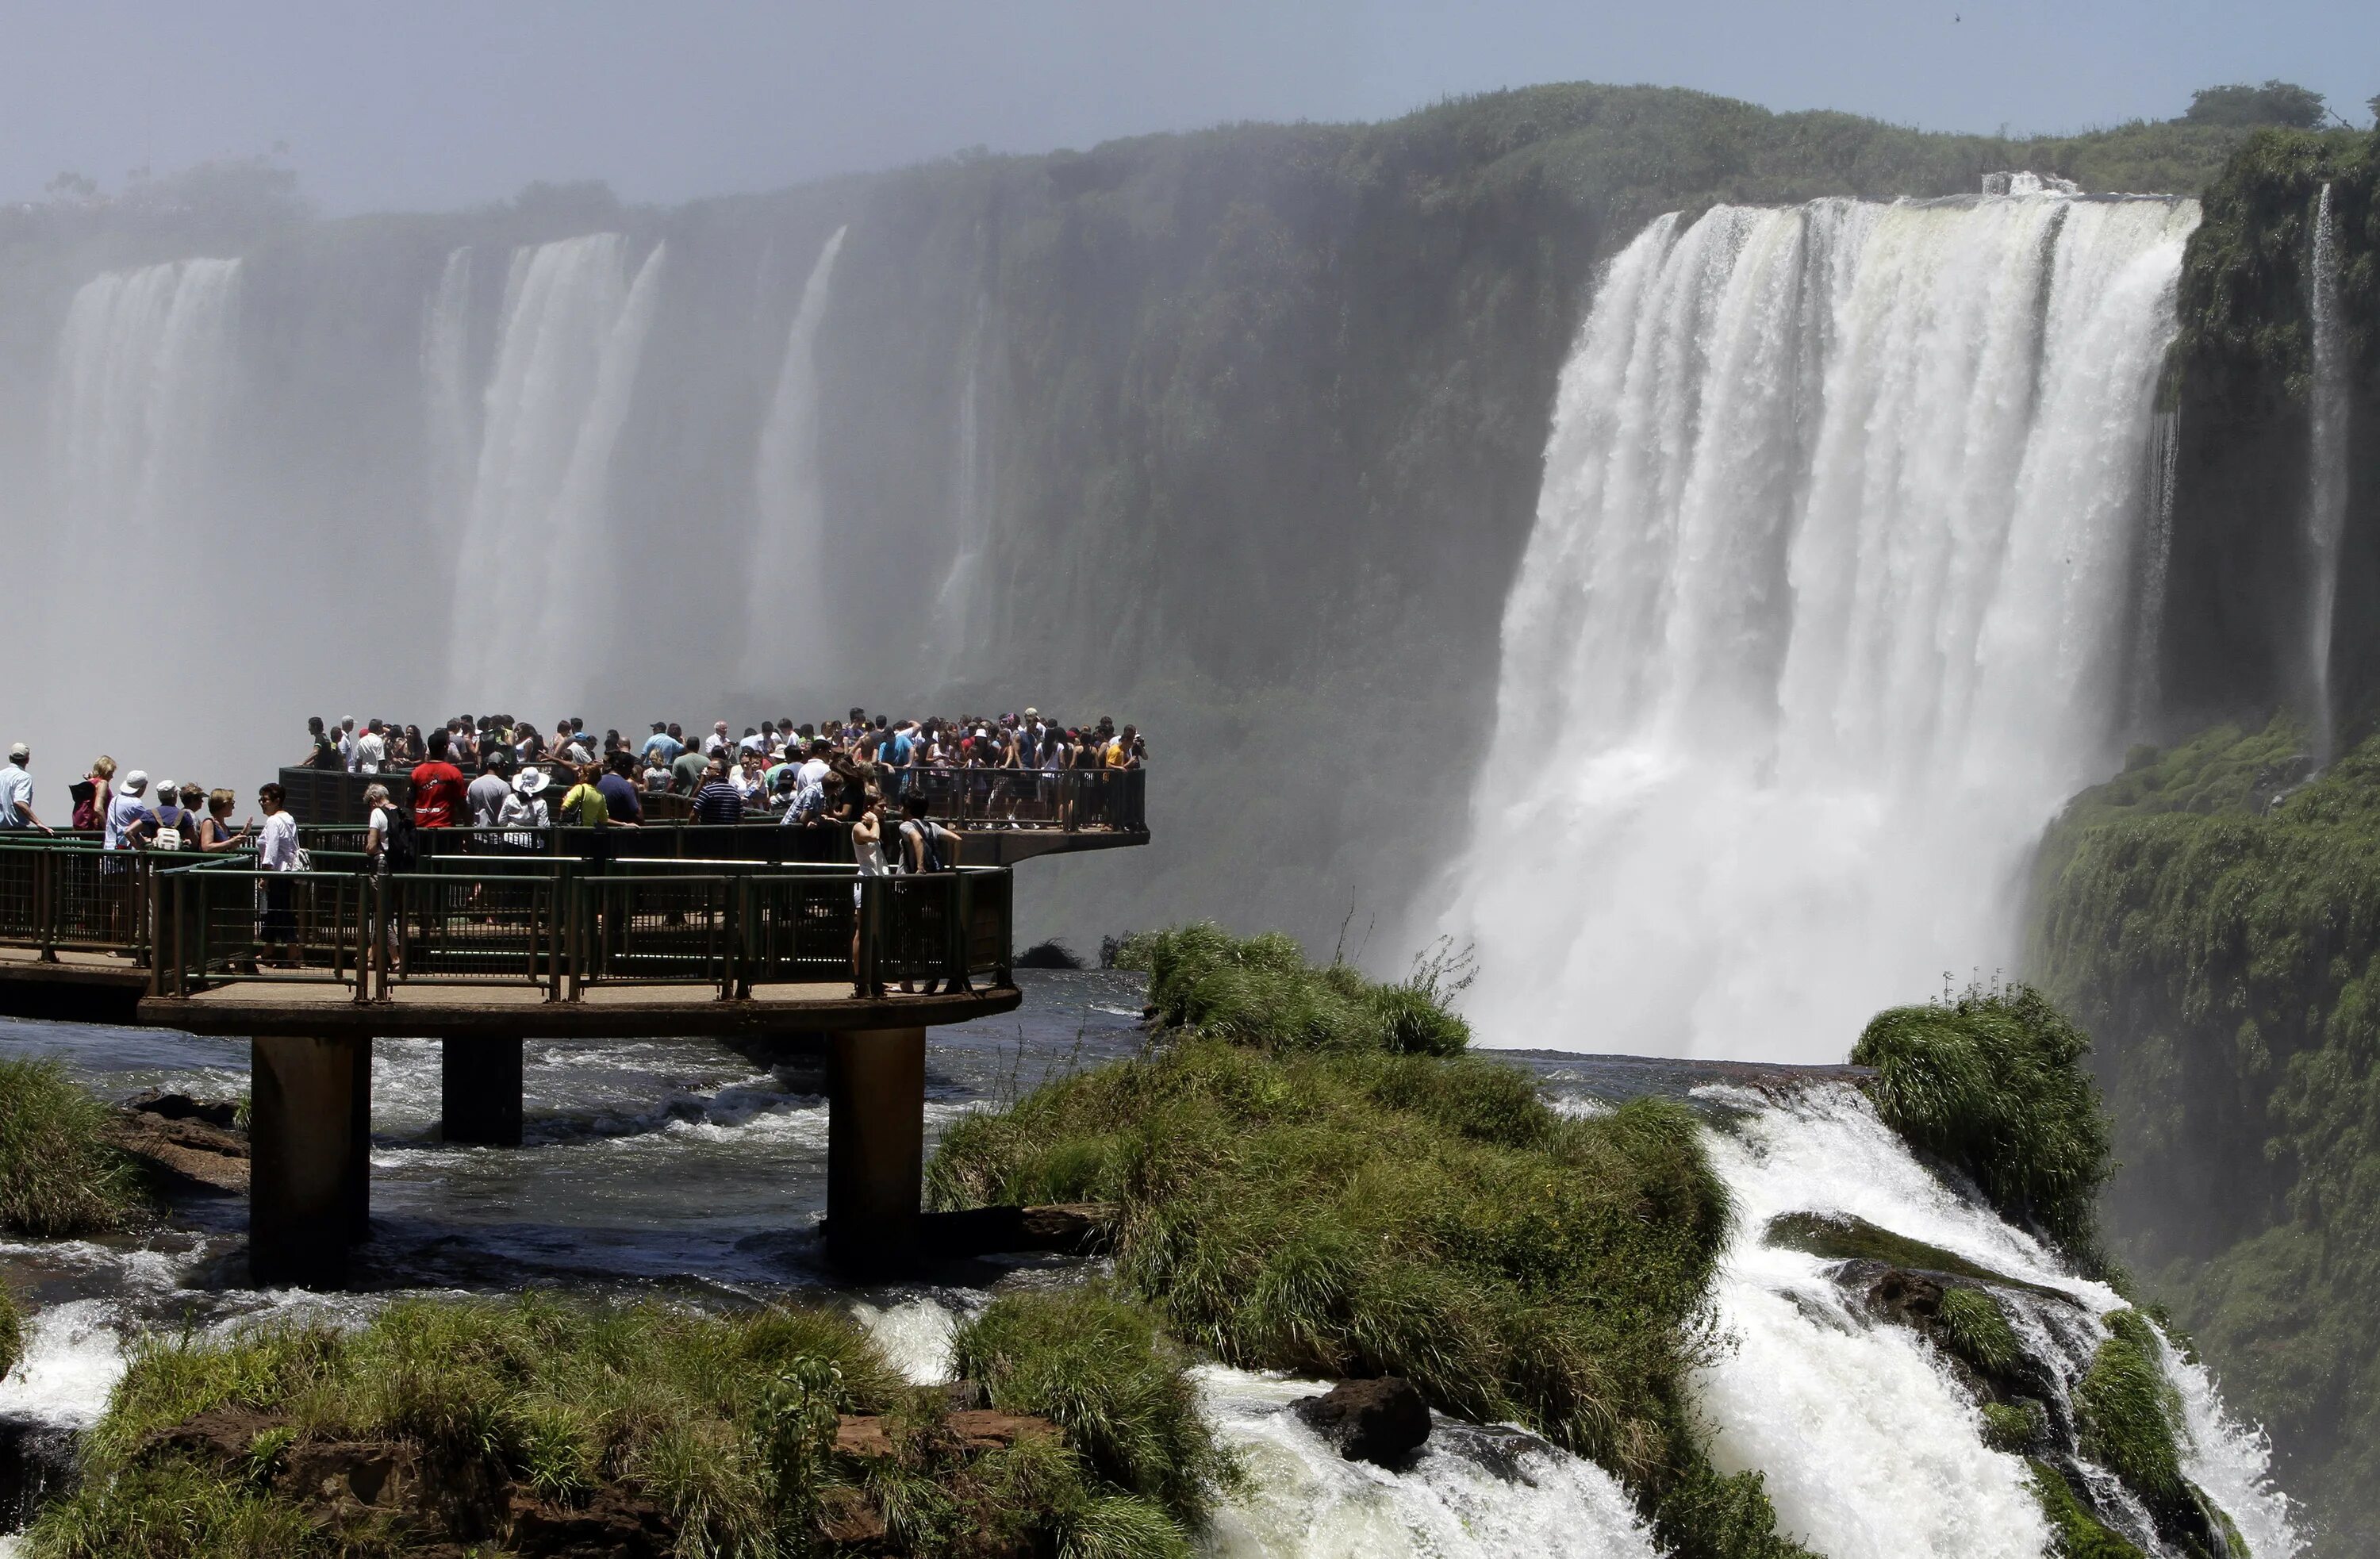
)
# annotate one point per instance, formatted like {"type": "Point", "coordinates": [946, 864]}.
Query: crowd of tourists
{"type": "Point", "coordinates": [496, 771]}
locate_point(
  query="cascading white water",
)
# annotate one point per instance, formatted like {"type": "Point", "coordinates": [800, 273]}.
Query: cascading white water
{"type": "Point", "coordinates": [788, 587]}
{"type": "Point", "coordinates": [960, 599]}
{"type": "Point", "coordinates": [450, 409]}
{"type": "Point", "coordinates": [2148, 635]}
{"type": "Point", "coordinates": [1823, 615]}
{"type": "Point", "coordinates": [138, 391]}
{"type": "Point", "coordinates": [534, 588]}
{"type": "Point", "coordinates": [1868, 1444]}
{"type": "Point", "coordinates": [2325, 520]}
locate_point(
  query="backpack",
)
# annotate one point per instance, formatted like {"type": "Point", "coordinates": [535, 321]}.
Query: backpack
{"type": "Point", "coordinates": [930, 848]}
{"type": "Point", "coordinates": [401, 851]}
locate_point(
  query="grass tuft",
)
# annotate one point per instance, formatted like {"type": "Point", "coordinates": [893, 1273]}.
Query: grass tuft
{"type": "Point", "coordinates": [2074, 1532]}
{"type": "Point", "coordinates": [1992, 1082]}
{"type": "Point", "coordinates": [1260, 991]}
{"type": "Point", "coordinates": [725, 1422]}
{"type": "Point", "coordinates": [2126, 1410]}
{"type": "Point", "coordinates": [59, 1175]}
{"type": "Point", "coordinates": [1971, 1326]}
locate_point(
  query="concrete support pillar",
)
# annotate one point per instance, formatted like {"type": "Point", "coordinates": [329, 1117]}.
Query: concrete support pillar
{"type": "Point", "coordinates": [479, 1092]}
{"type": "Point", "coordinates": [309, 1165]}
{"type": "Point", "coordinates": [875, 1148]}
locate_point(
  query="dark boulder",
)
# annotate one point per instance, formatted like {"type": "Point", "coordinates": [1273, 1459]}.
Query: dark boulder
{"type": "Point", "coordinates": [222, 1114]}
{"type": "Point", "coordinates": [1382, 1420]}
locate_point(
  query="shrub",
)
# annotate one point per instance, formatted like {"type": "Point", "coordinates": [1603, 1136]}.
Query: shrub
{"type": "Point", "coordinates": [1972, 1324]}
{"type": "Point", "coordinates": [2126, 1410]}
{"type": "Point", "coordinates": [1260, 991]}
{"type": "Point", "coordinates": [1098, 1366]}
{"type": "Point", "coordinates": [1992, 1083]}
{"type": "Point", "coordinates": [59, 1175]}
{"type": "Point", "coordinates": [2075, 1533]}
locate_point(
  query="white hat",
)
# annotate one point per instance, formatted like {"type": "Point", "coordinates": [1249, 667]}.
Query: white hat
{"type": "Point", "coordinates": [164, 786]}
{"type": "Point", "coordinates": [136, 782]}
{"type": "Point", "coordinates": [1031, 712]}
{"type": "Point", "coordinates": [529, 781]}
{"type": "Point", "coordinates": [19, 752]}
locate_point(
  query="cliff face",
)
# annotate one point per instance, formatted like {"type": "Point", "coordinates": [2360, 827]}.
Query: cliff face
{"type": "Point", "coordinates": [1235, 433]}
{"type": "Point", "coordinates": [2243, 383]}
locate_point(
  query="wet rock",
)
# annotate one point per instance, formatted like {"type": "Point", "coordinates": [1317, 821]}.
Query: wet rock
{"type": "Point", "coordinates": [981, 1428]}
{"type": "Point", "coordinates": [1910, 1299]}
{"type": "Point", "coordinates": [862, 1436]}
{"type": "Point", "coordinates": [341, 1479]}
{"type": "Point", "coordinates": [191, 1155]}
{"type": "Point", "coordinates": [224, 1435]}
{"type": "Point", "coordinates": [613, 1524]}
{"type": "Point", "coordinates": [1073, 1228]}
{"type": "Point", "coordinates": [846, 1515]}
{"type": "Point", "coordinates": [1381, 1421]}
{"type": "Point", "coordinates": [37, 1464]}
{"type": "Point", "coordinates": [221, 1114]}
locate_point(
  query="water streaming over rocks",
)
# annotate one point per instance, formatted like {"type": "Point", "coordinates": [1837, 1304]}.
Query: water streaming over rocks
{"type": "Point", "coordinates": [682, 1170]}
{"type": "Point", "coordinates": [1825, 613]}
{"type": "Point", "coordinates": [787, 583]}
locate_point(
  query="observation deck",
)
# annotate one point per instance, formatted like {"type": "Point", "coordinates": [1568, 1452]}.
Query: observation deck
{"type": "Point", "coordinates": [751, 930]}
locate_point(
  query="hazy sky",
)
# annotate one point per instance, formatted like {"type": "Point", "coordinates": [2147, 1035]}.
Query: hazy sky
{"type": "Point", "coordinates": [425, 104]}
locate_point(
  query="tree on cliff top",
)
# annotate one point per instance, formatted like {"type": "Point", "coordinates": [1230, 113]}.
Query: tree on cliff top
{"type": "Point", "coordinates": [2274, 103]}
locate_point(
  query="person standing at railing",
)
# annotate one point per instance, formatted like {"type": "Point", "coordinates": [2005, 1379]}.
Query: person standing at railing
{"type": "Point", "coordinates": [718, 801]}
{"type": "Point", "coordinates": [437, 786]}
{"type": "Point", "coordinates": [349, 755]}
{"type": "Point", "coordinates": [371, 748]}
{"type": "Point", "coordinates": [17, 792]}
{"type": "Point", "coordinates": [619, 789]}
{"type": "Point", "coordinates": [276, 855]}
{"type": "Point", "coordinates": [325, 753]}
{"type": "Point", "coordinates": [214, 829]}
{"type": "Point", "coordinates": [868, 852]}
{"type": "Point", "coordinates": [525, 809]}
{"type": "Point", "coordinates": [927, 848]}
{"type": "Point", "coordinates": [488, 793]}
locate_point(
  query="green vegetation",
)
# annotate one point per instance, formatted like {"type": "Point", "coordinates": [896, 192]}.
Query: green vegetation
{"type": "Point", "coordinates": [1992, 1083]}
{"type": "Point", "coordinates": [1971, 1326]}
{"type": "Point", "coordinates": [2276, 103]}
{"type": "Point", "coordinates": [1260, 991]}
{"type": "Point", "coordinates": [725, 1425]}
{"type": "Point", "coordinates": [1307, 1194]}
{"type": "Point", "coordinates": [2014, 1426]}
{"type": "Point", "coordinates": [2127, 1411]}
{"type": "Point", "coordinates": [59, 1175]}
{"type": "Point", "coordinates": [2227, 958]}
{"type": "Point", "coordinates": [2075, 1532]}
{"type": "Point", "coordinates": [12, 1332]}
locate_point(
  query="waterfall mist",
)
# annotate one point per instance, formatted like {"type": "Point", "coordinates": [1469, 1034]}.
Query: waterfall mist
{"type": "Point", "coordinates": [1824, 614]}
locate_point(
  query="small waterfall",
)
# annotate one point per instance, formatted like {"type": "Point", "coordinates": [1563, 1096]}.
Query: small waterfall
{"type": "Point", "coordinates": [450, 415]}
{"type": "Point", "coordinates": [1820, 618]}
{"type": "Point", "coordinates": [143, 371]}
{"type": "Point", "coordinates": [959, 605]}
{"type": "Point", "coordinates": [535, 591]}
{"type": "Point", "coordinates": [2327, 470]}
{"type": "Point", "coordinates": [1868, 1443]}
{"type": "Point", "coordinates": [788, 622]}
{"type": "Point", "coordinates": [2157, 554]}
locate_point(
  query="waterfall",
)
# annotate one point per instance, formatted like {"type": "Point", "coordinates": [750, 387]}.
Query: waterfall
{"type": "Point", "coordinates": [1821, 616]}
{"type": "Point", "coordinates": [451, 423]}
{"type": "Point", "coordinates": [536, 596]}
{"type": "Point", "coordinates": [958, 604]}
{"type": "Point", "coordinates": [1868, 1441]}
{"type": "Point", "coordinates": [141, 376]}
{"type": "Point", "coordinates": [2157, 546]}
{"type": "Point", "coordinates": [789, 589]}
{"type": "Point", "coordinates": [2327, 470]}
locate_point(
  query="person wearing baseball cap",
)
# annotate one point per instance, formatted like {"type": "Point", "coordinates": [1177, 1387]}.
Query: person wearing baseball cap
{"type": "Point", "coordinates": [17, 792]}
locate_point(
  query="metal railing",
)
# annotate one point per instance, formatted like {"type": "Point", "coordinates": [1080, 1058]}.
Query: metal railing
{"type": "Point", "coordinates": [67, 894]}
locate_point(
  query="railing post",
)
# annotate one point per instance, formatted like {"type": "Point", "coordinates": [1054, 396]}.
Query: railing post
{"type": "Point", "coordinates": [45, 900]}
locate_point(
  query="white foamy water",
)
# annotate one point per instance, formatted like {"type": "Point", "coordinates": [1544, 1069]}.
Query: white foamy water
{"type": "Point", "coordinates": [73, 1359]}
{"type": "Point", "coordinates": [1868, 1444]}
{"type": "Point", "coordinates": [533, 607]}
{"type": "Point", "coordinates": [1824, 614]}
{"type": "Point", "coordinates": [786, 578]}
{"type": "Point", "coordinates": [1470, 1492]}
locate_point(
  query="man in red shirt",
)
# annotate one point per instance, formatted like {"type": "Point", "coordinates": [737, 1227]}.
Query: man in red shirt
{"type": "Point", "coordinates": [437, 787]}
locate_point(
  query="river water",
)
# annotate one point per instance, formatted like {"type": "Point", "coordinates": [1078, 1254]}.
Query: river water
{"type": "Point", "coordinates": [678, 1169]}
